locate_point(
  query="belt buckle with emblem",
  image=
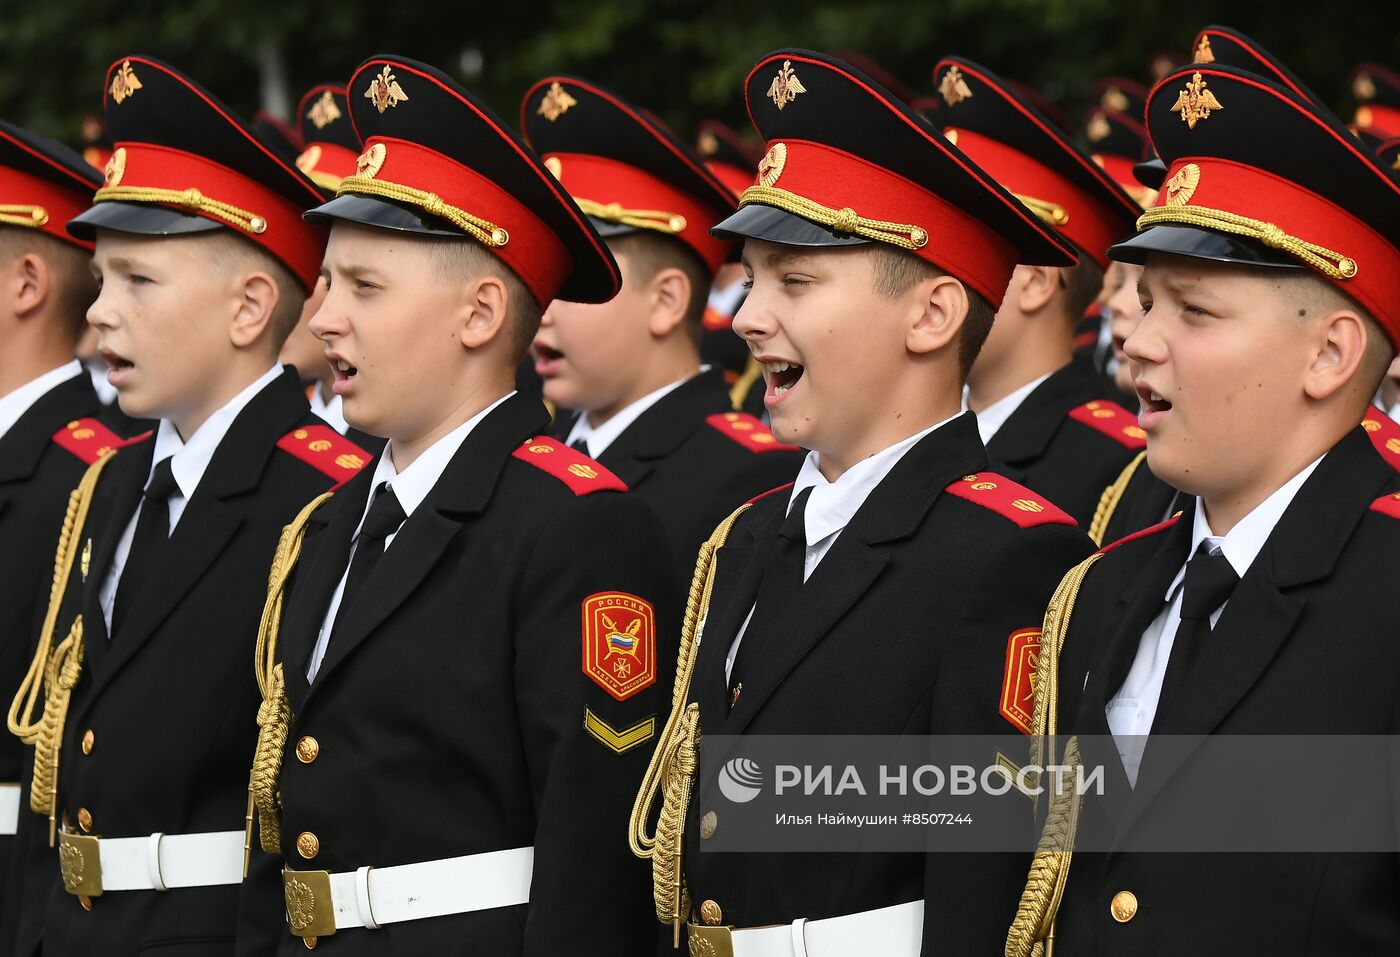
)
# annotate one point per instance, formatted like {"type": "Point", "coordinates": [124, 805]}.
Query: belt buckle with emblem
{"type": "Point", "coordinates": [710, 941]}
{"type": "Point", "coordinates": [310, 911]}
{"type": "Point", "coordinates": [81, 863]}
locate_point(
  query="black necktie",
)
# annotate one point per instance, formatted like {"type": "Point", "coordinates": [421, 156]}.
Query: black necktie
{"type": "Point", "coordinates": [778, 591]}
{"type": "Point", "coordinates": [580, 445]}
{"type": "Point", "coordinates": [1210, 580]}
{"type": "Point", "coordinates": [147, 542]}
{"type": "Point", "coordinates": [384, 518]}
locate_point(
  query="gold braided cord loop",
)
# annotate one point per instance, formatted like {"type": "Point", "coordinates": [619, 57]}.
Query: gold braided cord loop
{"type": "Point", "coordinates": [274, 714]}
{"type": "Point", "coordinates": [191, 199]}
{"type": "Point", "coordinates": [1108, 501]}
{"type": "Point", "coordinates": [844, 220]}
{"type": "Point", "coordinates": [673, 764]}
{"type": "Point", "coordinates": [1049, 212]}
{"type": "Point", "coordinates": [325, 180]}
{"type": "Point", "coordinates": [1324, 260]}
{"type": "Point", "coordinates": [739, 391]}
{"type": "Point", "coordinates": [657, 219]}
{"type": "Point", "coordinates": [483, 231]}
{"type": "Point", "coordinates": [57, 668]}
{"type": "Point", "coordinates": [1032, 932]}
{"type": "Point", "coordinates": [22, 214]}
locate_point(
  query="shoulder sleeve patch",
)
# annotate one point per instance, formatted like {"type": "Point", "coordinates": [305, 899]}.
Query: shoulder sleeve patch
{"type": "Point", "coordinates": [1388, 504]}
{"type": "Point", "coordinates": [1150, 530]}
{"type": "Point", "coordinates": [89, 439]}
{"type": "Point", "coordinates": [326, 450]}
{"type": "Point", "coordinates": [747, 431]}
{"type": "Point", "coordinates": [1018, 683]}
{"type": "Point", "coordinates": [1112, 420]}
{"type": "Point", "coordinates": [772, 491]}
{"type": "Point", "coordinates": [1007, 498]}
{"type": "Point", "coordinates": [619, 643]}
{"type": "Point", "coordinates": [1384, 434]}
{"type": "Point", "coordinates": [580, 473]}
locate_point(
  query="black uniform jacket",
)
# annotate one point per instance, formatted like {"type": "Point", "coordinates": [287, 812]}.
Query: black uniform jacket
{"type": "Point", "coordinates": [1066, 441]}
{"type": "Point", "coordinates": [694, 460]}
{"type": "Point", "coordinates": [461, 708]}
{"type": "Point", "coordinates": [904, 629]}
{"type": "Point", "coordinates": [1305, 645]}
{"type": "Point", "coordinates": [36, 475]}
{"type": "Point", "coordinates": [171, 702]}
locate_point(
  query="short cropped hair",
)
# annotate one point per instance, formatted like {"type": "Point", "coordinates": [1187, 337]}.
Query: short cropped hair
{"type": "Point", "coordinates": [650, 252]}
{"type": "Point", "coordinates": [897, 270]}
{"type": "Point", "coordinates": [1083, 283]}
{"type": "Point", "coordinates": [1312, 295]}
{"type": "Point", "coordinates": [465, 259]}
{"type": "Point", "coordinates": [75, 288]}
{"type": "Point", "coordinates": [227, 246]}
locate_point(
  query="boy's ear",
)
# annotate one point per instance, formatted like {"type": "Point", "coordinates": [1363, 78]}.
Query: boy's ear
{"type": "Point", "coordinates": [484, 311]}
{"type": "Point", "coordinates": [1036, 287]}
{"type": "Point", "coordinates": [1339, 350]}
{"type": "Point", "coordinates": [257, 301]}
{"type": "Point", "coordinates": [28, 283]}
{"type": "Point", "coordinates": [940, 309]}
{"type": "Point", "coordinates": [668, 295]}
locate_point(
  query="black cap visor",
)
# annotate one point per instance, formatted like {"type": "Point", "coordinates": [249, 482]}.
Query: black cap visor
{"type": "Point", "coordinates": [137, 218]}
{"type": "Point", "coordinates": [1200, 244]}
{"type": "Point", "coordinates": [382, 214]}
{"type": "Point", "coordinates": [757, 221]}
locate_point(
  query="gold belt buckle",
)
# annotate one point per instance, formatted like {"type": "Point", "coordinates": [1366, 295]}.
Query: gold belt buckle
{"type": "Point", "coordinates": [81, 863]}
{"type": "Point", "coordinates": [310, 910]}
{"type": "Point", "coordinates": [710, 941]}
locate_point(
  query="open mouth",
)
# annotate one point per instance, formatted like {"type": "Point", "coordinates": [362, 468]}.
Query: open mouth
{"type": "Point", "coordinates": [1153, 407]}
{"type": "Point", "coordinates": [115, 361]}
{"type": "Point", "coordinates": [781, 377]}
{"type": "Point", "coordinates": [547, 359]}
{"type": "Point", "coordinates": [343, 369]}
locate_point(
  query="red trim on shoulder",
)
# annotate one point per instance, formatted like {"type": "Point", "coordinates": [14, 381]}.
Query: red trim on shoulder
{"type": "Point", "coordinates": [326, 450]}
{"type": "Point", "coordinates": [1384, 434]}
{"type": "Point", "coordinates": [1388, 504]}
{"type": "Point", "coordinates": [89, 439]}
{"type": "Point", "coordinates": [772, 491]}
{"type": "Point", "coordinates": [581, 474]}
{"type": "Point", "coordinates": [1112, 420]}
{"type": "Point", "coordinates": [1150, 530]}
{"type": "Point", "coordinates": [1085, 340]}
{"type": "Point", "coordinates": [747, 431]}
{"type": "Point", "coordinates": [1009, 499]}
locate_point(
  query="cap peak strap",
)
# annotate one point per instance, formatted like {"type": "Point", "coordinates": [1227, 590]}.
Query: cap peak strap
{"type": "Point", "coordinates": [1052, 213]}
{"type": "Point", "coordinates": [192, 199]}
{"type": "Point", "coordinates": [844, 220]}
{"type": "Point", "coordinates": [657, 219]}
{"type": "Point", "coordinates": [1324, 260]}
{"type": "Point", "coordinates": [21, 214]}
{"type": "Point", "coordinates": [484, 231]}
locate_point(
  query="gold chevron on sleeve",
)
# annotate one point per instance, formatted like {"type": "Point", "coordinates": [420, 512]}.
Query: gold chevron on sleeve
{"type": "Point", "coordinates": [615, 740]}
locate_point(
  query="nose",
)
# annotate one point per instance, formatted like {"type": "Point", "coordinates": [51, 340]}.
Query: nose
{"type": "Point", "coordinates": [1144, 343]}
{"type": "Point", "coordinates": [101, 314]}
{"type": "Point", "coordinates": [547, 318]}
{"type": "Point", "coordinates": [329, 320]}
{"type": "Point", "coordinates": [754, 322]}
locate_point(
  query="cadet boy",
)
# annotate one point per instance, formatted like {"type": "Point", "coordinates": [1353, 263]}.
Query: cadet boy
{"type": "Point", "coordinates": [139, 754]}
{"type": "Point", "coordinates": [877, 594]}
{"type": "Point", "coordinates": [464, 719]}
{"type": "Point", "coordinates": [630, 368]}
{"type": "Point", "coordinates": [49, 430]}
{"type": "Point", "coordinates": [1270, 287]}
{"type": "Point", "coordinates": [1043, 413]}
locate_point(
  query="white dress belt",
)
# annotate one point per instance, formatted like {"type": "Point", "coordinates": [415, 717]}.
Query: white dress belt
{"type": "Point", "coordinates": [9, 809]}
{"type": "Point", "coordinates": [164, 861]}
{"type": "Point", "coordinates": [373, 896]}
{"type": "Point", "coordinates": [895, 931]}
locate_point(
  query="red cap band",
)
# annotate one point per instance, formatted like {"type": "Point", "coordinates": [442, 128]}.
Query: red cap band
{"type": "Point", "coordinates": [52, 205]}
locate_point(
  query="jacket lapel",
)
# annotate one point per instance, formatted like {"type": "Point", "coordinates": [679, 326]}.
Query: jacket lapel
{"type": "Point", "coordinates": [1024, 436]}
{"type": "Point", "coordinates": [670, 421]}
{"type": "Point", "coordinates": [893, 511]}
{"type": "Point", "coordinates": [114, 505]}
{"type": "Point", "coordinates": [461, 493]}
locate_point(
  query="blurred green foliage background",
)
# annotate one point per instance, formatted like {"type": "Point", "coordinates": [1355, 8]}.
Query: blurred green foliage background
{"type": "Point", "coordinates": [686, 61]}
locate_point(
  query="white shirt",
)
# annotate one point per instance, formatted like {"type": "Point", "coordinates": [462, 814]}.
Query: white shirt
{"type": "Point", "coordinates": [14, 404]}
{"type": "Point", "coordinates": [188, 462]}
{"type": "Point", "coordinates": [831, 505]}
{"type": "Point", "coordinates": [1132, 710]}
{"type": "Point", "coordinates": [97, 370]}
{"type": "Point", "coordinates": [411, 487]}
{"type": "Point", "coordinates": [994, 416]}
{"type": "Point", "coordinates": [331, 411]}
{"type": "Point", "coordinates": [600, 437]}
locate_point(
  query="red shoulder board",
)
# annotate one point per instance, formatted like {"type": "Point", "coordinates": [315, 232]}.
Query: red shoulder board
{"type": "Point", "coordinates": [1388, 504]}
{"type": "Point", "coordinates": [580, 473]}
{"type": "Point", "coordinates": [89, 439]}
{"type": "Point", "coordinates": [747, 431]}
{"type": "Point", "coordinates": [1007, 498]}
{"type": "Point", "coordinates": [1150, 530]}
{"type": "Point", "coordinates": [1384, 434]}
{"type": "Point", "coordinates": [326, 450]}
{"type": "Point", "coordinates": [772, 491]}
{"type": "Point", "coordinates": [1112, 420]}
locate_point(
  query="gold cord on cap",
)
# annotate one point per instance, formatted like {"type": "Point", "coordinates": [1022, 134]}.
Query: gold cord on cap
{"type": "Point", "coordinates": [844, 220]}
{"type": "Point", "coordinates": [1049, 212]}
{"type": "Point", "coordinates": [1324, 260]}
{"type": "Point", "coordinates": [485, 232]}
{"type": "Point", "coordinates": [657, 219]}
{"type": "Point", "coordinates": [191, 199]}
{"type": "Point", "coordinates": [20, 214]}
